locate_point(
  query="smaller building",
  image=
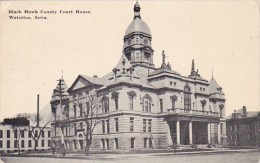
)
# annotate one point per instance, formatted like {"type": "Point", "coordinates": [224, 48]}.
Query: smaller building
{"type": "Point", "coordinates": [9, 138]}
{"type": "Point", "coordinates": [243, 128]}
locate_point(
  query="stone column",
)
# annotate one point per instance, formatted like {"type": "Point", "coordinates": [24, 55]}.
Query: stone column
{"type": "Point", "coordinates": [190, 132]}
{"type": "Point", "coordinates": [219, 131]}
{"type": "Point", "coordinates": [169, 138]}
{"type": "Point", "coordinates": [209, 133]}
{"type": "Point", "coordinates": [178, 132]}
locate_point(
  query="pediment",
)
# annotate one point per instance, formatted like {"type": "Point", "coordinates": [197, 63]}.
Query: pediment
{"type": "Point", "coordinates": [80, 82]}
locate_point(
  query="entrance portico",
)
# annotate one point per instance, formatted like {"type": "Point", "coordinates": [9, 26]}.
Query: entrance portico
{"type": "Point", "coordinates": [192, 130]}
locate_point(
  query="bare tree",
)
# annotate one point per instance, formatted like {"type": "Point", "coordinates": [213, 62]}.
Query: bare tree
{"type": "Point", "coordinates": [36, 131]}
{"type": "Point", "coordinates": [90, 114]}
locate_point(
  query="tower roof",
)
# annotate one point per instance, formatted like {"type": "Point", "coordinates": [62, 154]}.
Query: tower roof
{"type": "Point", "coordinates": [56, 92]}
{"type": "Point", "coordinates": [137, 25]}
{"type": "Point", "coordinates": [215, 90]}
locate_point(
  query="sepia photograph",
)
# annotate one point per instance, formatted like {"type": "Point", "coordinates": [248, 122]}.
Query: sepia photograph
{"type": "Point", "coordinates": [129, 81]}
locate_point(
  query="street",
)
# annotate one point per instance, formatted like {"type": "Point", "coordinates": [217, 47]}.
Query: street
{"type": "Point", "coordinates": [248, 157]}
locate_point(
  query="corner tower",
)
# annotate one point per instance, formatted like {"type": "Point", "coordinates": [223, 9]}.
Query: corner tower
{"type": "Point", "coordinates": [137, 41]}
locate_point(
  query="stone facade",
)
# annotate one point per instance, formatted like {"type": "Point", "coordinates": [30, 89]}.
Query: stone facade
{"type": "Point", "coordinates": [142, 106]}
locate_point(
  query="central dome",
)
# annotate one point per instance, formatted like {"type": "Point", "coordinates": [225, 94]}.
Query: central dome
{"type": "Point", "coordinates": [137, 25]}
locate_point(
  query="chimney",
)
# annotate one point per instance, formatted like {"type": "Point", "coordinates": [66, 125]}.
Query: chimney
{"type": "Point", "coordinates": [38, 118]}
{"type": "Point", "coordinates": [244, 111]}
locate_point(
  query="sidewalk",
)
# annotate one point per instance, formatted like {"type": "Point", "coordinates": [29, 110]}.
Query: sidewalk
{"type": "Point", "coordinates": [129, 155]}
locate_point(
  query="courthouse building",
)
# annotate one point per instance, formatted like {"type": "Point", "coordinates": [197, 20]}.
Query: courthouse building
{"type": "Point", "coordinates": [143, 106]}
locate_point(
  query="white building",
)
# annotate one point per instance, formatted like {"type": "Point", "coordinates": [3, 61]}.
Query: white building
{"type": "Point", "coordinates": [9, 139]}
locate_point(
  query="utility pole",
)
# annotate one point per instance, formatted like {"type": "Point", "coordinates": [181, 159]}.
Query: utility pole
{"type": "Point", "coordinates": [61, 91]}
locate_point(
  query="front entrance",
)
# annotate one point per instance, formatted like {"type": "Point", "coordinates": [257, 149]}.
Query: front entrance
{"type": "Point", "coordinates": [200, 133]}
{"type": "Point", "coordinates": [184, 127]}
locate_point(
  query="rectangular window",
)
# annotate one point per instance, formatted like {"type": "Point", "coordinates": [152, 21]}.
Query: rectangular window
{"type": "Point", "coordinates": [107, 141]}
{"type": "Point", "coordinates": [221, 128]}
{"type": "Point", "coordinates": [103, 143]}
{"type": "Point", "coordinates": [29, 143]}
{"type": "Point", "coordinates": [42, 143]}
{"type": "Point", "coordinates": [80, 110]}
{"type": "Point", "coordinates": [8, 134]}
{"type": "Point", "coordinates": [49, 134]}
{"type": "Point", "coordinates": [43, 134]}
{"type": "Point", "coordinates": [116, 103]}
{"type": "Point", "coordinates": [149, 125]}
{"type": "Point", "coordinates": [49, 143]}
{"type": "Point", "coordinates": [116, 125]}
{"type": "Point", "coordinates": [75, 110]}
{"type": "Point", "coordinates": [22, 144]}
{"type": "Point", "coordinates": [1, 143]}
{"type": "Point", "coordinates": [131, 123]}
{"type": "Point", "coordinates": [22, 133]}
{"type": "Point", "coordinates": [131, 102]}
{"type": "Point", "coordinates": [36, 134]}
{"type": "Point", "coordinates": [15, 133]}
{"type": "Point", "coordinates": [144, 125]}
{"type": "Point", "coordinates": [103, 127]}
{"type": "Point", "coordinates": [36, 143]}
{"type": "Point", "coordinates": [75, 129]}
{"type": "Point", "coordinates": [161, 105]}
{"type": "Point", "coordinates": [1, 133]}
{"type": "Point", "coordinates": [29, 134]}
{"type": "Point", "coordinates": [108, 127]}
{"type": "Point", "coordinates": [116, 143]}
{"type": "Point", "coordinates": [145, 142]}
{"type": "Point", "coordinates": [15, 143]}
{"type": "Point", "coordinates": [132, 143]}
{"type": "Point", "coordinates": [8, 143]}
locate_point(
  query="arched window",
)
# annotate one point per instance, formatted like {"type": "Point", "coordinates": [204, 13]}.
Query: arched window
{"type": "Point", "coordinates": [147, 103]}
{"type": "Point", "coordinates": [187, 98]}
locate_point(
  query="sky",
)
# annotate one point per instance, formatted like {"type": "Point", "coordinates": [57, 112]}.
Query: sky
{"type": "Point", "coordinates": [222, 36]}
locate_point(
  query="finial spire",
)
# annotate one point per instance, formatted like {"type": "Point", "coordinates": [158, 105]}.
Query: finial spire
{"type": "Point", "coordinates": [163, 56]}
{"type": "Point", "coordinates": [212, 73]}
{"type": "Point", "coordinates": [137, 10]}
{"type": "Point", "coordinates": [61, 74]}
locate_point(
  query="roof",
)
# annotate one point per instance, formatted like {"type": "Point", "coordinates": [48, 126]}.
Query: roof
{"type": "Point", "coordinates": [137, 25]}
{"type": "Point", "coordinates": [124, 73]}
{"type": "Point", "coordinates": [249, 114]}
{"type": "Point", "coordinates": [94, 80]}
{"type": "Point", "coordinates": [215, 90]}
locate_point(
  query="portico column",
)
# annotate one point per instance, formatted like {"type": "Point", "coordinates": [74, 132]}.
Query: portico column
{"type": "Point", "coordinates": [219, 131]}
{"type": "Point", "coordinates": [209, 133]}
{"type": "Point", "coordinates": [190, 132]}
{"type": "Point", "coordinates": [178, 132]}
{"type": "Point", "coordinates": [169, 138]}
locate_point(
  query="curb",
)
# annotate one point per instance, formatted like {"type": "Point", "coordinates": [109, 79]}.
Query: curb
{"type": "Point", "coordinates": [132, 155]}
